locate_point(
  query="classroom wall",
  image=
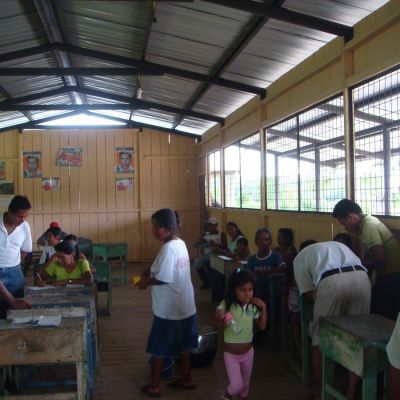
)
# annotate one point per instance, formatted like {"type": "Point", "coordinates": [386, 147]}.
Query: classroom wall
{"type": "Point", "coordinates": [88, 203]}
{"type": "Point", "coordinates": [374, 48]}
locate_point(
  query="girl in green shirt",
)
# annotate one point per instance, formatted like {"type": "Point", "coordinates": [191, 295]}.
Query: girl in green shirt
{"type": "Point", "coordinates": [65, 268]}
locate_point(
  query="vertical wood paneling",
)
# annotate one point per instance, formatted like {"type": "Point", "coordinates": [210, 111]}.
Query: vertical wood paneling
{"type": "Point", "coordinates": [88, 204]}
{"type": "Point", "coordinates": [83, 172]}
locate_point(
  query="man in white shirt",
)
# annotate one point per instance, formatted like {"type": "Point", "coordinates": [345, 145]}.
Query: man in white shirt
{"type": "Point", "coordinates": [15, 243]}
{"type": "Point", "coordinates": [333, 275]}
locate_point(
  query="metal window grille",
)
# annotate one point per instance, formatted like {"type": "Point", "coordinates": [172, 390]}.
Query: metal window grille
{"type": "Point", "coordinates": [242, 173]}
{"type": "Point", "coordinates": [305, 160]}
{"type": "Point", "coordinates": [282, 173]}
{"type": "Point", "coordinates": [376, 124]}
{"type": "Point", "coordinates": [214, 179]}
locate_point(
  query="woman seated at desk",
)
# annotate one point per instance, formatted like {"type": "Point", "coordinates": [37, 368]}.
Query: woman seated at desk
{"type": "Point", "coordinates": [65, 268]}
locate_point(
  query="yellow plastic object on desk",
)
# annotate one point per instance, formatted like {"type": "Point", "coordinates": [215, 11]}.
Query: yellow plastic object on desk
{"type": "Point", "coordinates": [136, 279]}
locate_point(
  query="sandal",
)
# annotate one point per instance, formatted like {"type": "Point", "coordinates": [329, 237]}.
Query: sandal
{"type": "Point", "coordinates": [178, 384]}
{"type": "Point", "coordinates": [149, 391]}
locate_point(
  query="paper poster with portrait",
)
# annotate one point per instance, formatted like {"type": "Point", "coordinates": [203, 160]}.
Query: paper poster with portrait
{"type": "Point", "coordinates": [6, 193]}
{"type": "Point", "coordinates": [124, 160]}
{"type": "Point", "coordinates": [2, 170]}
{"type": "Point", "coordinates": [32, 164]}
{"type": "Point", "coordinates": [69, 157]}
{"type": "Point", "coordinates": [50, 184]}
{"type": "Point", "coordinates": [124, 184]}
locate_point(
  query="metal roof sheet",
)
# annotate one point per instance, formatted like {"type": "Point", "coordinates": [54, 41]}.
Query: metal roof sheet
{"type": "Point", "coordinates": [191, 62]}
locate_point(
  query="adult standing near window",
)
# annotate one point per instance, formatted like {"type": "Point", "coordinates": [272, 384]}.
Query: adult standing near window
{"type": "Point", "coordinates": [381, 256]}
{"type": "Point", "coordinates": [15, 243]}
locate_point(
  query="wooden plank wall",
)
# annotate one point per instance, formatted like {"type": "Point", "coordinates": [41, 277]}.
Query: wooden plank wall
{"type": "Point", "coordinates": [88, 204]}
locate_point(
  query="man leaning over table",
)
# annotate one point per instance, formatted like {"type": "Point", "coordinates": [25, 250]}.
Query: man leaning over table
{"type": "Point", "coordinates": [333, 275]}
{"type": "Point", "coordinates": [15, 243]}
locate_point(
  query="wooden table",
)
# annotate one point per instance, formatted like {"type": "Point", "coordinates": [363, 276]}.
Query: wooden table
{"type": "Point", "coordinates": [355, 342]}
{"type": "Point", "coordinates": [30, 344]}
{"type": "Point", "coordinates": [110, 252]}
{"type": "Point", "coordinates": [66, 297]}
{"type": "Point", "coordinates": [221, 269]}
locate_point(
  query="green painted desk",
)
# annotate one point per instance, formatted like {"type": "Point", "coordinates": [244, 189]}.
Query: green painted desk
{"type": "Point", "coordinates": [307, 313]}
{"type": "Point", "coordinates": [111, 252]}
{"type": "Point", "coordinates": [354, 341]}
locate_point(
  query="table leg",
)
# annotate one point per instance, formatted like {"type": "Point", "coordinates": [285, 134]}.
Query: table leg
{"type": "Point", "coordinates": [369, 387]}
{"type": "Point", "coordinates": [328, 376]}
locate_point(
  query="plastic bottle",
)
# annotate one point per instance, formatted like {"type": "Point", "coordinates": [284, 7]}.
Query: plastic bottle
{"type": "Point", "coordinates": [232, 323]}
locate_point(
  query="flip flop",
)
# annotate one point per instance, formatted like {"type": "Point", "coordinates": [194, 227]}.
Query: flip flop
{"type": "Point", "coordinates": [147, 391]}
{"type": "Point", "coordinates": [179, 385]}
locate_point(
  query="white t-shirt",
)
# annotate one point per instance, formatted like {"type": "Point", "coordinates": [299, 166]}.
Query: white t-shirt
{"type": "Point", "coordinates": [214, 237]}
{"type": "Point", "coordinates": [393, 347]}
{"type": "Point", "coordinates": [175, 298]}
{"type": "Point", "coordinates": [47, 252]}
{"type": "Point", "coordinates": [318, 258]}
{"type": "Point", "coordinates": [12, 244]}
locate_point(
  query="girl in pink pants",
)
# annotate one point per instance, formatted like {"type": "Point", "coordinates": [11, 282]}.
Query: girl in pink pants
{"type": "Point", "coordinates": [237, 314]}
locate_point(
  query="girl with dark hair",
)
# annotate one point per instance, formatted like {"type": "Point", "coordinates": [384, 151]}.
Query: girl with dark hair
{"type": "Point", "coordinates": [65, 268]}
{"type": "Point", "coordinates": [174, 330]}
{"type": "Point", "coordinates": [235, 234]}
{"type": "Point", "coordinates": [237, 314]}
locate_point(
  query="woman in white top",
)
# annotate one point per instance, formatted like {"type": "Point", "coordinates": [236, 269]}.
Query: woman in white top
{"type": "Point", "coordinates": [175, 330]}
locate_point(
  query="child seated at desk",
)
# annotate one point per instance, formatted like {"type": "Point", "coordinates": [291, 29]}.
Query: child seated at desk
{"type": "Point", "coordinates": [242, 253]}
{"type": "Point", "coordinates": [213, 241]}
{"type": "Point", "coordinates": [65, 268]}
{"type": "Point", "coordinates": [53, 236]}
{"type": "Point", "coordinates": [264, 263]}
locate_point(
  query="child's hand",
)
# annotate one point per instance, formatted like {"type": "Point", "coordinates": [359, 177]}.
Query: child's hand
{"type": "Point", "coordinates": [220, 314]}
{"type": "Point", "coordinates": [258, 302]}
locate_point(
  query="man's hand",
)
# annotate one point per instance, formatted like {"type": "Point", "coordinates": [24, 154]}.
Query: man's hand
{"type": "Point", "coordinates": [20, 304]}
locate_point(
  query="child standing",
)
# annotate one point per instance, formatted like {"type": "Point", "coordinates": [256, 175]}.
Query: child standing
{"type": "Point", "coordinates": [237, 313]}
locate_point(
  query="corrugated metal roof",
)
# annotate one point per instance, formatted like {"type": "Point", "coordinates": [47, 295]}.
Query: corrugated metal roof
{"type": "Point", "coordinates": [173, 60]}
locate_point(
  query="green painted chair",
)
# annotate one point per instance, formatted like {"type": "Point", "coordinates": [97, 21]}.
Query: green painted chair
{"type": "Point", "coordinates": [103, 280]}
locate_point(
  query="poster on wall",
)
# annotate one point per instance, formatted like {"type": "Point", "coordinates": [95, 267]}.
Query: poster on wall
{"type": "Point", "coordinates": [124, 159]}
{"type": "Point", "coordinates": [6, 193]}
{"type": "Point", "coordinates": [32, 164]}
{"type": "Point", "coordinates": [69, 157]}
{"type": "Point", "coordinates": [124, 184]}
{"type": "Point", "coordinates": [50, 184]}
{"type": "Point", "coordinates": [2, 170]}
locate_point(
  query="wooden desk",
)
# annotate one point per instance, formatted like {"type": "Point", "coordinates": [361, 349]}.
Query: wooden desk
{"type": "Point", "coordinates": [64, 297]}
{"type": "Point", "coordinates": [220, 272]}
{"type": "Point", "coordinates": [30, 344]}
{"type": "Point", "coordinates": [110, 252]}
{"type": "Point", "coordinates": [354, 341]}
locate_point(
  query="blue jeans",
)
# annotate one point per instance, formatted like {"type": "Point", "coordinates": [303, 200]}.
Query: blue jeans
{"type": "Point", "coordinates": [13, 279]}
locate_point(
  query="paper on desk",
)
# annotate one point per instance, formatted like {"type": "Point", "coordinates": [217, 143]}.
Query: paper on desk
{"type": "Point", "coordinates": [22, 320]}
{"type": "Point", "coordinates": [42, 287]}
{"type": "Point", "coordinates": [225, 258]}
{"type": "Point", "coordinates": [49, 320]}
{"type": "Point", "coordinates": [77, 285]}
{"type": "Point", "coordinates": [243, 262]}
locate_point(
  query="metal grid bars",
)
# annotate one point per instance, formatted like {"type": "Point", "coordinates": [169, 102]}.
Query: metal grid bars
{"type": "Point", "coordinates": [242, 171]}
{"type": "Point", "coordinates": [282, 169]}
{"type": "Point", "coordinates": [322, 156]}
{"type": "Point", "coordinates": [305, 160]}
{"type": "Point", "coordinates": [376, 125]}
{"type": "Point", "coordinates": [214, 179]}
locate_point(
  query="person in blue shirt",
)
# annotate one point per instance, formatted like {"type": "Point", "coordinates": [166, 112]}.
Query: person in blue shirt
{"type": "Point", "coordinates": [262, 264]}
